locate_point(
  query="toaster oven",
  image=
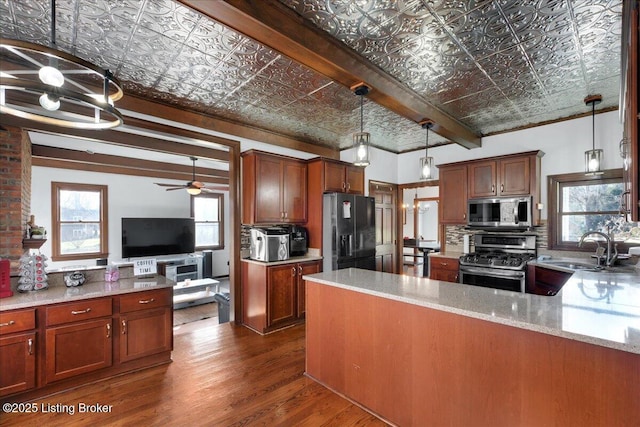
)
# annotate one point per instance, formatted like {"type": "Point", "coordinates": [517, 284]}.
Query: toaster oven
{"type": "Point", "coordinates": [269, 244]}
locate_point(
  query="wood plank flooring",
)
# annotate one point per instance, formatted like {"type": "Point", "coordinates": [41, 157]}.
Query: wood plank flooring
{"type": "Point", "coordinates": [221, 375]}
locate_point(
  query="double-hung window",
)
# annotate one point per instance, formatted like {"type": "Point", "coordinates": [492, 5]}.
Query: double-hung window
{"type": "Point", "coordinates": [207, 211]}
{"type": "Point", "coordinates": [79, 221]}
{"type": "Point", "coordinates": [580, 203]}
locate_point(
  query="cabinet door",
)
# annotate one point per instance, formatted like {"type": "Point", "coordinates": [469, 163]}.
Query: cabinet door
{"type": "Point", "coordinates": [294, 191]}
{"type": "Point", "coordinates": [268, 190]}
{"type": "Point", "coordinates": [304, 269]}
{"type": "Point", "coordinates": [453, 195]}
{"type": "Point", "coordinates": [78, 348]}
{"type": "Point", "coordinates": [334, 177]}
{"type": "Point", "coordinates": [281, 288]}
{"type": "Point", "coordinates": [146, 332]}
{"type": "Point", "coordinates": [17, 363]}
{"type": "Point", "coordinates": [482, 179]}
{"type": "Point", "coordinates": [355, 180]}
{"type": "Point", "coordinates": [514, 177]}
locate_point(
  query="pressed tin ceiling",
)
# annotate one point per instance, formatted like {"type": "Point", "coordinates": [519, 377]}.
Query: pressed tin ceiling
{"type": "Point", "coordinates": [492, 65]}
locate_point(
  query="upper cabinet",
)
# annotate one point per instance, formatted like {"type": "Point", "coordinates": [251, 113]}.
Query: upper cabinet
{"type": "Point", "coordinates": [342, 177]}
{"type": "Point", "coordinates": [274, 189]}
{"type": "Point", "coordinates": [510, 176]}
{"type": "Point", "coordinates": [504, 176]}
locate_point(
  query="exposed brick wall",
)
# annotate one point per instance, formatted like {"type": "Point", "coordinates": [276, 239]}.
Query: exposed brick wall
{"type": "Point", "coordinates": [15, 192]}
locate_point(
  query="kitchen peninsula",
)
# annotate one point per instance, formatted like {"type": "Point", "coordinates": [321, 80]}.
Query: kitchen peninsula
{"type": "Point", "coordinates": [426, 352]}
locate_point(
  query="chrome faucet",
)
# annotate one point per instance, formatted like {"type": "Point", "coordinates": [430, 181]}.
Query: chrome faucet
{"type": "Point", "coordinates": [611, 257]}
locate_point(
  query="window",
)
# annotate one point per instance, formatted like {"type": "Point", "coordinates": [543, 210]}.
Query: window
{"type": "Point", "coordinates": [580, 203]}
{"type": "Point", "coordinates": [79, 221]}
{"type": "Point", "coordinates": [207, 211]}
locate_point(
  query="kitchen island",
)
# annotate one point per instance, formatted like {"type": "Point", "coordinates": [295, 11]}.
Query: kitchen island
{"type": "Point", "coordinates": [425, 352]}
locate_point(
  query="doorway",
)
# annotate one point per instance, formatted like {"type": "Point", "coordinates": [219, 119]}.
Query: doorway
{"type": "Point", "coordinates": [385, 195]}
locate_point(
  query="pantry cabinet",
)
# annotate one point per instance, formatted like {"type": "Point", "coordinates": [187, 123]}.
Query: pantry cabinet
{"type": "Point", "coordinates": [273, 295]}
{"type": "Point", "coordinates": [17, 351]}
{"type": "Point", "coordinates": [274, 189]}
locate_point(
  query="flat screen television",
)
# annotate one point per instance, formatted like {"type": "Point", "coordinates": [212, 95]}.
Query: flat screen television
{"type": "Point", "coordinates": [144, 237]}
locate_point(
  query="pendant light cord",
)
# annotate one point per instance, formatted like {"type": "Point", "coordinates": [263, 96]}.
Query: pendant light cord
{"type": "Point", "coordinates": [53, 23]}
{"type": "Point", "coordinates": [361, 113]}
{"type": "Point", "coordinates": [593, 125]}
{"type": "Point", "coordinates": [426, 146]}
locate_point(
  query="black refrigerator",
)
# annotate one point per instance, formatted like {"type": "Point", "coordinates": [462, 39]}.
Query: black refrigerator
{"type": "Point", "coordinates": [348, 231]}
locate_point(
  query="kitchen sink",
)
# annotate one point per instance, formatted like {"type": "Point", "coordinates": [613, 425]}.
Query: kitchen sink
{"type": "Point", "coordinates": [573, 265]}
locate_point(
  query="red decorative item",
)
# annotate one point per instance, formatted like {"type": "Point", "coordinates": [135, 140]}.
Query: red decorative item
{"type": "Point", "coordinates": [5, 279]}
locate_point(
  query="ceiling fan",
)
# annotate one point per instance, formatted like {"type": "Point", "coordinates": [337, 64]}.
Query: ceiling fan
{"type": "Point", "coordinates": [194, 187]}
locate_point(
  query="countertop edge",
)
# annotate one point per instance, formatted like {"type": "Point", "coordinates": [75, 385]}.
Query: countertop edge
{"type": "Point", "coordinates": [291, 260]}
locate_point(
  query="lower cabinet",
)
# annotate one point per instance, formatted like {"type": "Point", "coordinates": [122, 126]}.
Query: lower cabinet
{"type": "Point", "coordinates": [17, 351]}
{"type": "Point", "coordinates": [445, 269]}
{"type": "Point", "coordinates": [82, 341]}
{"type": "Point", "coordinates": [273, 296]}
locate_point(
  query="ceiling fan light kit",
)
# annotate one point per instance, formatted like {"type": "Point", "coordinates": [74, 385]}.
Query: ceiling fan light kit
{"type": "Point", "coordinates": [593, 157]}
{"type": "Point", "coordinates": [361, 140]}
{"type": "Point", "coordinates": [49, 86]}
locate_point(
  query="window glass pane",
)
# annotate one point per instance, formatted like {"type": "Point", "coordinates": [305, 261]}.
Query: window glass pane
{"type": "Point", "coordinates": [205, 209]}
{"type": "Point", "coordinates": [79, 205]}
{"type": "Point", "coordinates": [79, 238]}
{"type": "Point", "coordinates": [574, 226]}
{"type": "Point", "coordinates": [207, 234]}
{"type": "Point", "coordinates": [591, 198]}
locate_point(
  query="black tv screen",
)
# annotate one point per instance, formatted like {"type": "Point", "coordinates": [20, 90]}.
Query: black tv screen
{"type": "Point", "coordinates": [143, 237]}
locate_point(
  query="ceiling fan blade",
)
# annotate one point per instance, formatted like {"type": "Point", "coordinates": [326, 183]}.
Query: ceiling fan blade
{"type": "Point", "coordinates": [166, 185]}
{"type": "Point", "coordinates": [175, 188]}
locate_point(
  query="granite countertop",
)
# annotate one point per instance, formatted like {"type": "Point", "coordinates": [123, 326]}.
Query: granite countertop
{"type": "Point", "coordinates": [291, 260]}
{"type": "Point", "coordinates": [600, 308]}
{"type": "Point", "coordinates": [448, 254]}
{"type": "Point", "coordinates": [57, 294]}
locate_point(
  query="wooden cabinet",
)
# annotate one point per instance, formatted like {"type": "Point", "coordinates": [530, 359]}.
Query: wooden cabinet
{"type": "Point", "coordinates": [17, 351]}
{"type": "Point", "coordinates": [453, 194]}
{"type": "Point", "coordinates": [545, 281]}
{"type": "Point", "coordinates": [443, 268]}
{"type": "Point", "coordinates": [505, 177]}
{"type": "Point", "coordinates": [78, 338]}
{"type": "Point", "coordinates": [327, 176]}
{"type": "Point", "coordinates": [630, 203]}
{"type": "Point", "coordinates": [274, 189]}
{"type": "Point", "coordinates": [273, 295]}
{"type": "Point", "coordinates": [145, 324]}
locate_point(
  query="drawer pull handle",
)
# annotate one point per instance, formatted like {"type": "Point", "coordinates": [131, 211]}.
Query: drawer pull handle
{"type": "Point", "coordinates": [444, 264]}
{"type": "Point", "coordinates": [9, 323]}
{"type": "Point", "coordinates": [30, 346]}
{"type": "Point", "coordinates": [124, 327]}
{"type": "Point", "coordinates": [75, 313]}
{"type": "Point", "coordinates": [146, 301]}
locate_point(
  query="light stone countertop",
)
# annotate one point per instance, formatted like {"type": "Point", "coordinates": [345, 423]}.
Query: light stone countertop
{"type": "Point", "coordinates": [57, 294]}
{"type": "Point", "coordinates": [291, 260]}
{"type": "Point", "coordinates": [599, 308]}
{"type": "Point", "coordinates": [448, 254]}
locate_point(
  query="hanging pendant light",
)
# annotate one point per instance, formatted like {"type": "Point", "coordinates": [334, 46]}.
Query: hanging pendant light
{"type": "Point", "coordinates": [593, 157]}
{"type": "Point", "coordinates": [426, 162]}
{"type": "Point", "coordinates": [361, 139]}
{"type": "Point", "coordinates": [53, 87]}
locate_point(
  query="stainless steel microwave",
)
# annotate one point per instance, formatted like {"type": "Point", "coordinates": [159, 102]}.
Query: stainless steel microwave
{"type": "Point", "coordinates": [500, 212]}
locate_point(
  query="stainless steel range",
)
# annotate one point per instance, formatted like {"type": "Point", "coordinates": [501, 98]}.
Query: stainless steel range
{"type": "Point", "coordinates": [500, 261]}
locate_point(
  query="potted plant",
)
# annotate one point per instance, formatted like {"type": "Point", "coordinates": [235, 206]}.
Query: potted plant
{"type": "Point", "coordinates": [38, 233]}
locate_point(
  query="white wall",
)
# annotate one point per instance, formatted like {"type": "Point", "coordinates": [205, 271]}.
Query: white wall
{"type": "Point", "coordinates": [129, 196]}
{"type": "Point", "coordinates": [383, 166]}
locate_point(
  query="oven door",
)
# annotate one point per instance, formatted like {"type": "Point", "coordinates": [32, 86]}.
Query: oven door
{"type": "Point", "coordinates": [508, 280]}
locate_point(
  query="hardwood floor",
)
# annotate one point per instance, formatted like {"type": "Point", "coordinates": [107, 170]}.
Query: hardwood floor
{"type": "Point", "coordinates": [221, 375]}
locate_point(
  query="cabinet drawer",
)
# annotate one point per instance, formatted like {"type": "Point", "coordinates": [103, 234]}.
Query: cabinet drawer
{"type": "Point", "coordinates": [17, 320]}
{"type": "Point", "coordinates": [77, 311]}
{"type": "Point", "coordinates": [449, 264]}
{"type": "Point", "coordinates": [146, 300]}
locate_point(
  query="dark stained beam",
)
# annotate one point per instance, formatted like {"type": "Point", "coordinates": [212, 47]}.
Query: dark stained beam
{"type": "Point", "coordinates": [275, 25]}
{"type": "Point", "coordinates": [152, 168]}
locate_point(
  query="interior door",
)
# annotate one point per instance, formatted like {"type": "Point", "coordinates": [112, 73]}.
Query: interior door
{"type": "Point", "coordinates": [385, 196]}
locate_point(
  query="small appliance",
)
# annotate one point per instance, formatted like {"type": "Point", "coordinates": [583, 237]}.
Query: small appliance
{"type": "Point", "coordinates": [298, 240]}
{"type": "Point", "coordinates": [269, 244]}
{"type": "Point", "coordinates": [506, 213]}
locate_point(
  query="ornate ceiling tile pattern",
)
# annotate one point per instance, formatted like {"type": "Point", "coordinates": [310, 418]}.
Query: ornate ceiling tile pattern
{"type": "Point", "coordinates": [494, 65]}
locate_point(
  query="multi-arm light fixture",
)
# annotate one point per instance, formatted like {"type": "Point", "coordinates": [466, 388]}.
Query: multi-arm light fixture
{"type": "Point", "coordinates": [53, 87]}
{"type": "Point", "coordinates": [426, 162]}
{"type": "Point", "coordinates": [593, 157]}
{"type": "Point", "coordinates": [361, 139]}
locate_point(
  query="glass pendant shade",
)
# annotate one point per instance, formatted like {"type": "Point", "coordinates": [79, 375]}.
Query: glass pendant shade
{"type": "Point", "coordinates": [593, 162]}
{"type": "Point", "coordinates": [426, 168]}
{"type": "Point", "coordinates": [361, 144]}
{"type": "Point", "coordinates": [194, 191]}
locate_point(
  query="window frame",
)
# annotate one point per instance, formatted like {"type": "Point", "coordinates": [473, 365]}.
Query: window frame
{"type": "Point", "coordinates": [554, 184]}
{"type": "Point", "coordinates": [220, 197]}
{"type": "Point", "coordinates": [56, 187]}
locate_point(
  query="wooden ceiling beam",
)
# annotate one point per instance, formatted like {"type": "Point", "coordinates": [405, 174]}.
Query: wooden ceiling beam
{"type": "Point", "coordinates": [153, 167]}
{"type": "Point", "coordinates": [277, 26]}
